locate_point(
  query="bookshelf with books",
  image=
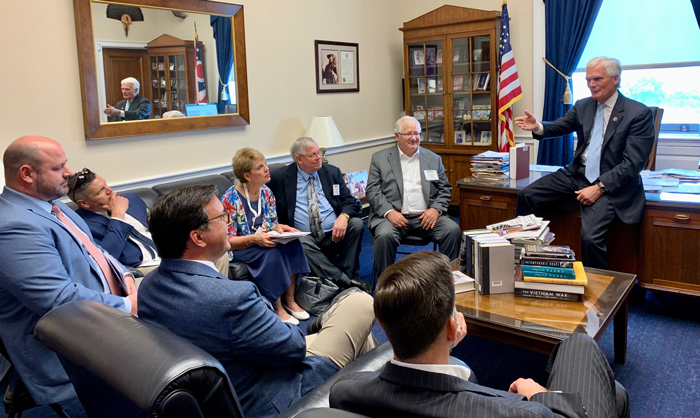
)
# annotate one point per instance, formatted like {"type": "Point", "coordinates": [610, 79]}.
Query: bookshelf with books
{"type": "Point", "coordinates": [171, 62]}
{"type": "Point", "coordinates": [449, 80]}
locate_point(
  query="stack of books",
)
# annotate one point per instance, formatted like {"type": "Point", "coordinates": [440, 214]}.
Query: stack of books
{"type": "Point", "coordinates": [550, 272]}
{"type": "Point", "coordinates": [491, 167]}
{"type": "Point", "coordinates": [522, 231]}
{"type": "Point", "coordinates": [488, 258]}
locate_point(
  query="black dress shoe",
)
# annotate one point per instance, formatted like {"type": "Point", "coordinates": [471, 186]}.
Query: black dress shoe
{"type": "Point", "coordinates": [362, 285]}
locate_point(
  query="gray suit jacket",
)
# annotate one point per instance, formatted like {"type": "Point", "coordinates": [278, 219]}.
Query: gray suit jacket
{"type": "Point", "coordinates": [42, 266]}
{"type": "Point", "coordinates": [385, 183]}
{"type": "Point", "coordinates": [403, 392]}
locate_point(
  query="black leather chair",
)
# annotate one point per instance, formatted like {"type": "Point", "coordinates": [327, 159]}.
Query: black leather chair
{"type": "Point", "coordinates": [122, 366]}
{"type": "Point", "coordinates": [222, 184]}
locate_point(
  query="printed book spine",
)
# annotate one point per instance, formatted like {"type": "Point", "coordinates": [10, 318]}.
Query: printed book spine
{"type": "Point", "coordinates": [483, 282]}
{"type": "Point", "coordinates": [544, 294]}
{"type": "Point", "coordinates": [551, 263]}
{"type": "Point", "coordinates": [530, 273]}
{"type": "Point", "coordinates": [547, 269]}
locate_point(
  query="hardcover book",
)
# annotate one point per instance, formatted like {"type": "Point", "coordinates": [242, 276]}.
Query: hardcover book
{"type": "Point", "coordinates": [580, 279]}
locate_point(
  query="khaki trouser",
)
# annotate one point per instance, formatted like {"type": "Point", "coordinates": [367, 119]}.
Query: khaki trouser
{"type": "Point", "coordinates": [346, 330]}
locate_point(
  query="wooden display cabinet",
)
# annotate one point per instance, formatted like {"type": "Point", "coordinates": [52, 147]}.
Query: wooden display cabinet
{"type": "Point", "coordinates": [450, 82]}
{"type": "Point", "coordinates": [172, 82]}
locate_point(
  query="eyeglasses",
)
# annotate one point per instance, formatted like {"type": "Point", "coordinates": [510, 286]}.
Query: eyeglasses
{"type": "Point", "coordinates": [409, 134]}
{"type": "Point", "coordinates": [79, 179]}
{"type": "Point", "coordinates": [226, 217]}
{"type": "Point", "coordinates": [312, 156]}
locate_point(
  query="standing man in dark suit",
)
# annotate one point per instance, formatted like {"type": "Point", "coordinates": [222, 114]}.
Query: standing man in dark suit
{"type": "Point", "coordinates": [312, 197]}
{"type": "Point", "coordinates": [133, 107]}
{"type": "Point", "coordinates": [615, 137]}
{"type": "Point", "coordinates": [48, 258]}
{"type": "Point", "coordinates": [414, 304]}
{"type": "Point", "coordinates": [270, 363]}
{"type": "Point", "coordinates": [408, 193]}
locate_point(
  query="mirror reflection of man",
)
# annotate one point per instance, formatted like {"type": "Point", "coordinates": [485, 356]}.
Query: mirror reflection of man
{"type": "Point", "coordinates": [133, 107]}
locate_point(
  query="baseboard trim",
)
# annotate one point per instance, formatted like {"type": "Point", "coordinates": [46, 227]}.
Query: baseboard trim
{"type": "Point", "coordinates": [218, 169]}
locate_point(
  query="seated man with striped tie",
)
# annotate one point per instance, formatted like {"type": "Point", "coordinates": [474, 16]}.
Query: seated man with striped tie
{"type": "Point", "coordinates": [118, 222]}
{"type": "Point", "coordinates": [615, 137]}
{"type": "Point", "coordinates": [415, 305]}
{"type": "Point", "coordinates": [48, 258]}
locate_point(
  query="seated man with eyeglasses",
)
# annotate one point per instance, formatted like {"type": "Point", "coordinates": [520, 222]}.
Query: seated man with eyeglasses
{"type": "Point", "coordinates": [118, 223]}
{"type": "Point", "coordinates": [408, 194]}
{"type": "Point", "coordinates": [270, 363]}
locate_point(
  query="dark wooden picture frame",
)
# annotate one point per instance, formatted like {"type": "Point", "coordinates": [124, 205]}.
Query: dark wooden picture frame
{"type": "Point", "coordinates": [94, 129]}
{"type": "Point", "coordinates": [333, 77]}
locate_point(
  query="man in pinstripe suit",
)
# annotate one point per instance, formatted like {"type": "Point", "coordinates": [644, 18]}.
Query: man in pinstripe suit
{"type": "Point", "coordinates": [414, 303]}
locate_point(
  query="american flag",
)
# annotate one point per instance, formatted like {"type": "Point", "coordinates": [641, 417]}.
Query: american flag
{"type": "Point", "coordinates": [509, 90]}
{"type": "Point", "coordinates": [199, 71]}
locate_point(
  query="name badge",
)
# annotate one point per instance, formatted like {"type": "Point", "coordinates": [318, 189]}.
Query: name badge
{"type": "Point", "coordinates": [430, 175]}
{"type": "Point", "coordinates": [336, 190]}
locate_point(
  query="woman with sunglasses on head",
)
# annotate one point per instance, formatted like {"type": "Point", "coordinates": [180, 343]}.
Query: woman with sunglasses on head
{"type": "Point", "coordinates": [273, 268]}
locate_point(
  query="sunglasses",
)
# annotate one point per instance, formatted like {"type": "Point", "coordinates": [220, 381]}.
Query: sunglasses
{"type": "Point", "coordinates": [79, 179]}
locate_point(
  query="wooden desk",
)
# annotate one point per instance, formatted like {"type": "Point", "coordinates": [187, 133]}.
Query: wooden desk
{"type": "Point", "coordinates": [539, 324]}
{"type": "Point", "coordinates": [663, 250]}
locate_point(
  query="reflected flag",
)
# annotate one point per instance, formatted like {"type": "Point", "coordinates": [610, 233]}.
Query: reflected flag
{"type": "Point", "coordinates": [199, 70]}
{"type": "Point", "coordinates": [509, 90]}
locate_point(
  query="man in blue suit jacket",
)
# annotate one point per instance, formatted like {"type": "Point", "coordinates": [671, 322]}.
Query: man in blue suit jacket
{"type": "Point", "coordinates": [414, 303]}
{"type": "Point", "coordinates": [604, 175]}
{"type": "Point", "coordinates": [270, 363]}
{"type": "Point", "coordinates": [118, 222]}
{"type": "Point", "coordinates": [42, 264]}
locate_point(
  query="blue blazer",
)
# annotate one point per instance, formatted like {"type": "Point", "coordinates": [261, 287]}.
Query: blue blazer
{"type": "Point", "coordinates": [140, 108]}
{"type": "Point", "coordinates": [283, 184]}
{"type": "Point", "coordinates": [42, 266]}
{"type": "Point", "coordinates": [113, 235]}
{"type": "Point", "coordinates": [629, 138]}
{"type": "Point", "coordinates": [264, 357]}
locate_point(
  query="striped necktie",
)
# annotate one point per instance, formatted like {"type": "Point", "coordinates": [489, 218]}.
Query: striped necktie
{"type": "Point", "coordinates": [595, 145]}
{"type": "Point", "coordinates": [92, 249]}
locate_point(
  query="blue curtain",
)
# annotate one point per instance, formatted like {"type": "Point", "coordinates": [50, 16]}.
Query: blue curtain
{"type": "Point", "coordinates": [224, 58]}
{"type": "Point", "coordinates": [696, 8]}
{"type": "Point", "coordinates": [568, 25]}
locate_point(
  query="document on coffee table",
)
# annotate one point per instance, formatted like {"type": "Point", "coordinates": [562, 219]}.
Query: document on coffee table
{"type": "Point", "coordinates": [286, 237]}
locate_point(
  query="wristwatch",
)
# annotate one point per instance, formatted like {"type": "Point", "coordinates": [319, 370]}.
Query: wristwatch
{"type": "Point", "coordinates": [601, 186]}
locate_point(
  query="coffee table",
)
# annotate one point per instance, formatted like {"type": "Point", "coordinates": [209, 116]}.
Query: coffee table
{"type": "Point", "coordinates": [539, 324]}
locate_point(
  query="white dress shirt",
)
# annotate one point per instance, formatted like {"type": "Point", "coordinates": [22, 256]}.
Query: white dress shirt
{"type": "Point", "coordinates": [448, 369]}
{"type": "Point", "coordinates": [413, 199]}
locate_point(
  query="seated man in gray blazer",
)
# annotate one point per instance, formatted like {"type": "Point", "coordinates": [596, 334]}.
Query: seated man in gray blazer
{"type": "Point", "coordinates": [408, 193]}
{"type": "Point", "coordinates": [270, 363]}
{"type": "Point", "coordinates": [414, 304]}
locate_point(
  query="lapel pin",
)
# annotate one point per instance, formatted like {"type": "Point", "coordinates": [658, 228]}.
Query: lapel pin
{"type": "Point", "coordinates": [615, 119]}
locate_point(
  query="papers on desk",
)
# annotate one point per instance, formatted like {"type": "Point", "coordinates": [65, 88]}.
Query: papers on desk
{"type": "Point", "coordinates": [521, 223]}
{"type": "Point", "coordinates": [286, 237]}
{"type": "Point", "coordinates": [671, 180]}
{"type": "Point", "coordinates": [544, 168]}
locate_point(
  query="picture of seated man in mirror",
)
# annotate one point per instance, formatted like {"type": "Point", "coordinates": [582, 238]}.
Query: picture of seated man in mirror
{"type": "Point", "coordinates": [133, 107]}
{"type": "Point", "coordinates": [330, 73]}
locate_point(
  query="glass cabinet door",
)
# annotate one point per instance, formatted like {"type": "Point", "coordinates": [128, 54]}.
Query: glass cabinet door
{"type": "Point", "coordinates": [158, 89]}
{"type": "Point", "coordinates": [471, 91]}
{"type": "Point", "coordinates": [426, 89]}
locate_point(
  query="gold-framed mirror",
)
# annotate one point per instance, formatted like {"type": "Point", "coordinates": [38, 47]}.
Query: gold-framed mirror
{"type": "Point", "coordinates": [166, 63]}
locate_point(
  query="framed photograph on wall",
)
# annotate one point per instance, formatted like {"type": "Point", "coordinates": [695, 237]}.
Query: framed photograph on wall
{"type": "Point", "coordinates": [337, 67]}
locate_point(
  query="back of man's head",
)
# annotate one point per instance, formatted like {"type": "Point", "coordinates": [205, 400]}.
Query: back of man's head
{"type": "Point", "coordinates": [414, 301]}
{"type": "Point", "coordinates": [175, 215]}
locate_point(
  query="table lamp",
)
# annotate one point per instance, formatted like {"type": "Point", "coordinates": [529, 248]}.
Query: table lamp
{"type": "Point", "coordinates": [322, 129]}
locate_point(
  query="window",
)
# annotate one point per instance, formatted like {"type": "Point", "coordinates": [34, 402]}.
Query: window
{"type": "Point", "coordinates": [657, 45]}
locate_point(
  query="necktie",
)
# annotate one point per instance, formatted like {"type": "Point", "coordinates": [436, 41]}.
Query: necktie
{"type": "Point", "coordinates": [148, 244]}
{"type": "Point", "coordinates": [314, 212]}
{"type": "Point", "coordinates": [92, 250]}
{"type": "Point", "coordinates": [126, 107]}
{"type": "Point", "coordinates": [594, 146]}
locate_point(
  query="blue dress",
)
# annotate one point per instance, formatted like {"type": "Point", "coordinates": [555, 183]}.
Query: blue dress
{"type": "Point", "coordinates": [270, 268]}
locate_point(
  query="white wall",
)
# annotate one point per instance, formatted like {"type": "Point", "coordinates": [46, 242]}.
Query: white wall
{"type": "Point", "coordinates": [42, 86]}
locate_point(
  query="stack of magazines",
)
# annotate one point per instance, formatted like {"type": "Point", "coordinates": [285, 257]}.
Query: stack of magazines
{"type": "Point", "coordinates": [550, 272]}
{"type": "Point", "coordinates": [491, 167]}
{"type": "Point", "coordinates": [522, 231]}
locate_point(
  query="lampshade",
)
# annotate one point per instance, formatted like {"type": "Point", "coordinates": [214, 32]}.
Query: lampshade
{"type": "Point", "coordinates": [322, 129]}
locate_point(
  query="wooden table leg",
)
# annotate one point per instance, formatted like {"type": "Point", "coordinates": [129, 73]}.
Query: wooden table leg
{"type": "Point", "coordinates": [620, 335]}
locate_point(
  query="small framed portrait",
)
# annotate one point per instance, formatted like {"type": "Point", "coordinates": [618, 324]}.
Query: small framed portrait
{"type": "Point", "coordinates": [337, 67]}
{"type": "Point", "coordinates": [460, 137]}
{"type": "Point", "coordinates": [485, 136]}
